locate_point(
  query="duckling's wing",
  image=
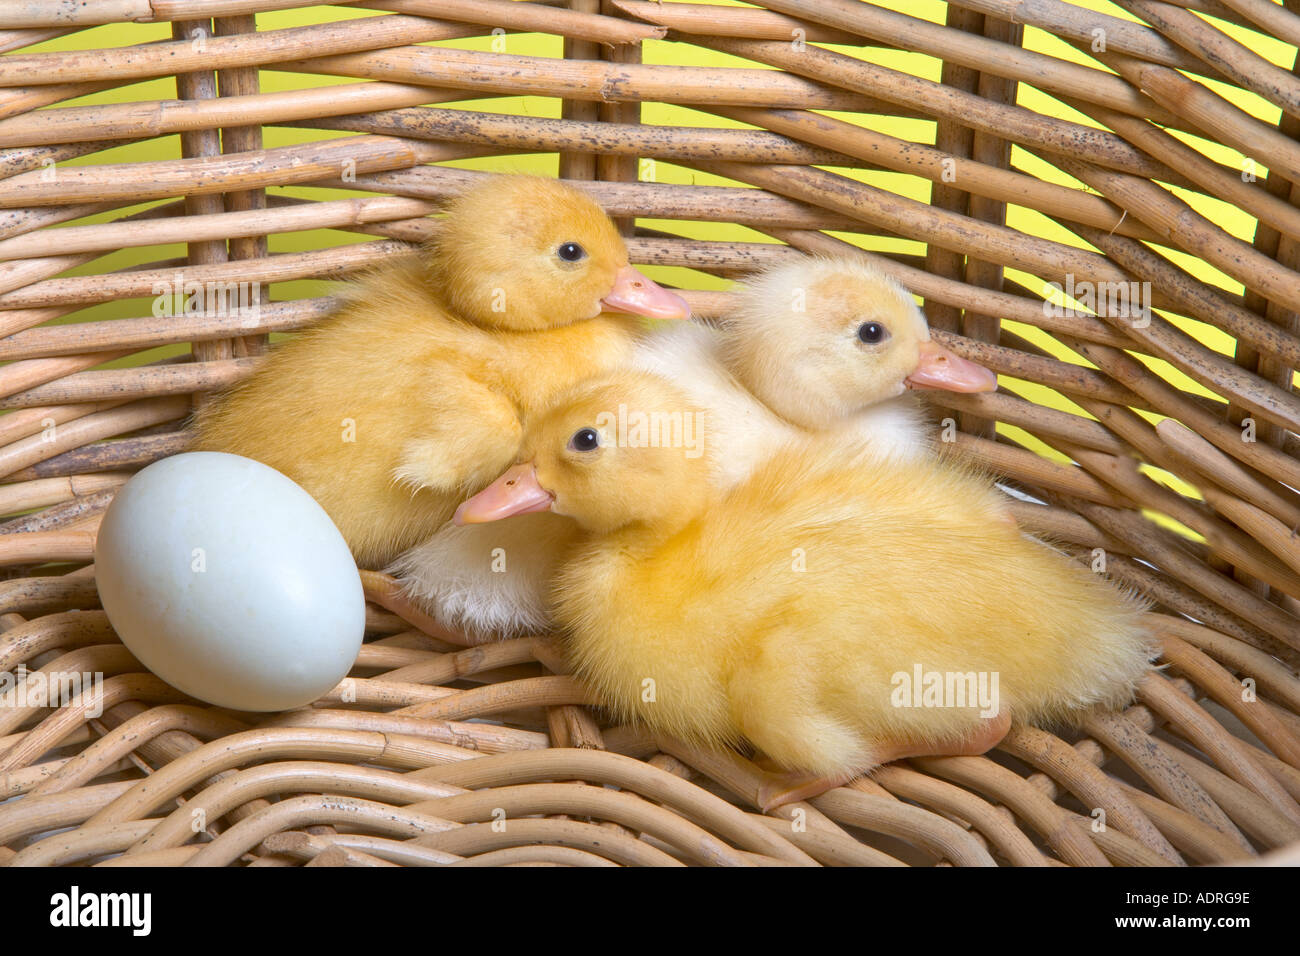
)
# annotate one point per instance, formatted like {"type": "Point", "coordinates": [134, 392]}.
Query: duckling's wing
{"type": "Point", "coordinates": [465, 441]}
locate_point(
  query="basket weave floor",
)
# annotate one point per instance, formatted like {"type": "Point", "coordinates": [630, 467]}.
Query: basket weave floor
{"type": "Point", "coordinates": [1054, 144]}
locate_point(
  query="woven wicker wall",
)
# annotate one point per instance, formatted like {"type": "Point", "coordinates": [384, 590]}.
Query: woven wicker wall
{"type": "Point", "coordinates": [1154, 154]}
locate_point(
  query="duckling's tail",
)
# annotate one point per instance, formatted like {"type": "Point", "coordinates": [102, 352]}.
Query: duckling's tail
{"type": "Point", "coordinates": [1107, 645]}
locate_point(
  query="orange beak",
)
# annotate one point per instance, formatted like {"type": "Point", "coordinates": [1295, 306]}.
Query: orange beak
{"type": "Point", "coordinates": [515, 493]}
{"type": "Point", "coordinates": [942, 368]}
{"type": "Point", "coordinates": [635, 293]}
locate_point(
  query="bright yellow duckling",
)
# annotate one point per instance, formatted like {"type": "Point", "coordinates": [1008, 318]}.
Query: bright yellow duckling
{"type": "Point", "coordinates": [809, 609]}
{"type": "Point", "coordinates": [410, 397]}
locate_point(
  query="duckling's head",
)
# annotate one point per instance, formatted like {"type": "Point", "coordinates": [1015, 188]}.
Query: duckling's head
{"type": "Point", "coordinates": [612, 452]}
{"type": "Point", "coordinates": [524, 253]}
{"type": "Point", "coordinates": [820, 339]}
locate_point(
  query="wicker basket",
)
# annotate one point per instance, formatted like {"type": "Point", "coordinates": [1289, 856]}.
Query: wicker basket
{"type": "Point", "coordinates": [1139, 155]}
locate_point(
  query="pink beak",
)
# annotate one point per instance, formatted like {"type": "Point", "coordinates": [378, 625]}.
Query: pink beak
{"type": "Point", "coordinates": [635, 293]}
{"type": "Point", "coordinates": [942, 368]}
{"type": "Point", "coordinates": [515, 493]}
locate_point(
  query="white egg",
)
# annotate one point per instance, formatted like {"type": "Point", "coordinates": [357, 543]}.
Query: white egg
{"type": "Point", "coordinates": [230, 582]}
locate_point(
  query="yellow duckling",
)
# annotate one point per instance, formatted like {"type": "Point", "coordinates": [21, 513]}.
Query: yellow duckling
{"type": "Point", "coordinates": [410, 396]}
{"type": "Point", "coordinates": [834, 616]}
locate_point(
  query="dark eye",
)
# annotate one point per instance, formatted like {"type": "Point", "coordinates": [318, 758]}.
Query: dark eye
{"type": "Point", "coordinates": [585, 439]}
{"type": "Point", "coordinates": [570, 252]}
{"type": "Point", "coordinates": [873, 333]}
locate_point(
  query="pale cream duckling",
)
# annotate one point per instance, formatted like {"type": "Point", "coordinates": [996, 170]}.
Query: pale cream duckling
{"type": "Point", "coordinates": [807, 609]}
{"type": "Point", "coordinates": [819, 345]}
{"type": "Point", "coordinates": [410, 396]}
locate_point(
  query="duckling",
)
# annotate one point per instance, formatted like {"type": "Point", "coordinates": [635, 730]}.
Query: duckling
{"type": "Point", "coordinates": [820, 345]}
{"type": "Point", "coordinates": [827, 345]}
{"type": "Point", "coordinates": [410, 396]}
{"type": "Point", "coordinates": [817, 610]}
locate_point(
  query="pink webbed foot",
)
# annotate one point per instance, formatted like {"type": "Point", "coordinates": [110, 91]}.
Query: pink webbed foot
{"type": "Point", "coordinates": [781, 787]}
{"type": "Point", "coordinates": [987, 735]}
{"type": "Point", "coordinates": [778, 789]}
{"type": "Point", "coordinates": [384, 590]}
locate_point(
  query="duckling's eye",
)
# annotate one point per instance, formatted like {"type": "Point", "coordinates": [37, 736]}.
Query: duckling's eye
{"type": "Point", "coordinates": [571, 252]}
{"type": "Point", "coordinates": [873, 333]}
{"type": "Point", "coordinates": [585, 439]}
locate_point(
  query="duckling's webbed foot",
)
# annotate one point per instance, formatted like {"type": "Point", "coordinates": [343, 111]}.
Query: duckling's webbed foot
{"type": "Point", "coordinates": [387, 592]}
{"type": "Point", "coordinates": [988, 733]}
{"type": "Point", "coordinates": [779, 788]}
